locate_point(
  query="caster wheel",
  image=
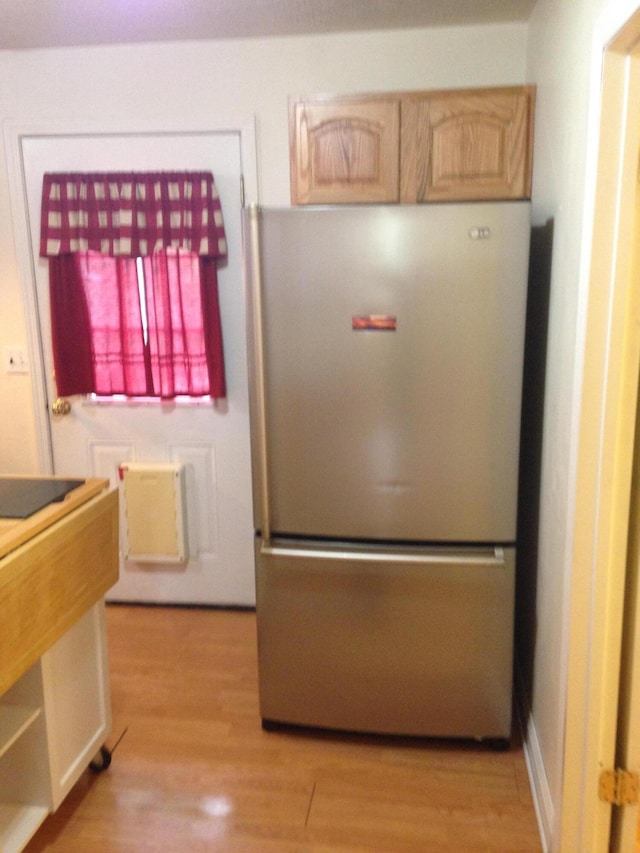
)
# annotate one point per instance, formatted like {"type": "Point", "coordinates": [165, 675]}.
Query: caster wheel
{"type": "Point", "coordinates": [101, 760]}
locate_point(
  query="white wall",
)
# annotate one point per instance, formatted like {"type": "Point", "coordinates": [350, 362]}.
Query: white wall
{"type": "Point", "coordinates": [201, 79]}
{"type": "Point", "coordinates": [558, 39]}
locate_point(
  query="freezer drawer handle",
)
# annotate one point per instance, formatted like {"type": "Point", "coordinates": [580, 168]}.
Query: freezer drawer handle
{"type": "Point", "coordinates": [490, 557]}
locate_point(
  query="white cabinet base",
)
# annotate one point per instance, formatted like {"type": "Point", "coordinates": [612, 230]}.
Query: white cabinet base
{"type": "Point", "coordinates": [52, 722]}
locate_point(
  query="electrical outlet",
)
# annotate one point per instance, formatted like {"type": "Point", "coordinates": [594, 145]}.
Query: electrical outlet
{"type": "Point", "coordinates": [15, 360]}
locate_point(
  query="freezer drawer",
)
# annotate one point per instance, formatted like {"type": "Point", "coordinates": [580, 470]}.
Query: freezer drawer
{"type": "Point", "coordinates": [395, 641]}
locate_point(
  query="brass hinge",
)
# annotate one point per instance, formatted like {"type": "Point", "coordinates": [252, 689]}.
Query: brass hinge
{"type": "Point", "coordinates": [619, 787]}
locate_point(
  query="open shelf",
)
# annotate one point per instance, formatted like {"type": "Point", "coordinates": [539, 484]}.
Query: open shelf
{"type": "Point", "coordinates": [14, 721]}
{"type": "Point", "coordinates": [18, 823]}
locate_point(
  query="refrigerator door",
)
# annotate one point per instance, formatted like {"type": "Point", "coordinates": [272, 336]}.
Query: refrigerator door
{"type": "Point", "coordinates": [388, 352]}
{"type": "Point", "coordinates": [391, 641]}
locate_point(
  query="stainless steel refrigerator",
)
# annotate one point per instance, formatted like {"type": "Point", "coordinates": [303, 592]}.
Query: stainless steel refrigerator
{"type": "Point", "coordinates": [386, 353]}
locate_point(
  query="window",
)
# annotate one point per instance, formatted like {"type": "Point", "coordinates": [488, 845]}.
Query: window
{"type": "Point", "coordinates": [133, 281]}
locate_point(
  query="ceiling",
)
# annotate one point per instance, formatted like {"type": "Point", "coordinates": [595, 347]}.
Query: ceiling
{"type": "Point", "coordinates": [61, 23]}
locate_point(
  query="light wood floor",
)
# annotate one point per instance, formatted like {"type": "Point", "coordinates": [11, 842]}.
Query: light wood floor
{"type": "Point", "coordinates": [193, 770]}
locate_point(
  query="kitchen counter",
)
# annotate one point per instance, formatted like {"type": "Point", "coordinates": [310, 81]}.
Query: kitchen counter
{"type": "Point", "coordinates": [54, 565]}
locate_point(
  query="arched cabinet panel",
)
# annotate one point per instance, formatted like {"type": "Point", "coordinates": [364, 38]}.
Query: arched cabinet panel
{"type": "Point", "coordinates": [346, 151]}
{"type": "Point", "coordinates": [460, 146]}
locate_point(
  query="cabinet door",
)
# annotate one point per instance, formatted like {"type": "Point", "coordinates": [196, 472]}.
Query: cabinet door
{"type": "Point", "coordinates": [466, 145]}
{"type": "Point", "coordinates": [76, 700]}
{"type": "Point", "coordinates": [345, 150]}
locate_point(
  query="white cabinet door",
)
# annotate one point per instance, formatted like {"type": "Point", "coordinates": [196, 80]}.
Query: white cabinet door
{"type": "Point", "coordinates": [52, 723]}
{"type": "Point", "coordinates": [76, 700]}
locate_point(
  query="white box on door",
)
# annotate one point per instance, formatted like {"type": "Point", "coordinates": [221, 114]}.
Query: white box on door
{"type": "Point", "coordinates": [154, 512]}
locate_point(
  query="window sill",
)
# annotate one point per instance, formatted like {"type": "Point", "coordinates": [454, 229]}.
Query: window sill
{"type": "Point", "coordinates": [122, 400]}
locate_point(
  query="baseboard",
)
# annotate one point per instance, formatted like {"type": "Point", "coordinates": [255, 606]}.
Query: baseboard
{"type": "Point", "coordinates": [540, 791]}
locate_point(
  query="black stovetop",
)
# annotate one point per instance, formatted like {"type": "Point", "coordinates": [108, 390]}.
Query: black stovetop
{"type": "Point", "coordinates": [21, 497]}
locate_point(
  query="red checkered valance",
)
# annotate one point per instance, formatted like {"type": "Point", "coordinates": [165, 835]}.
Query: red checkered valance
{"type": "Point", "coordinates": [131, 214]}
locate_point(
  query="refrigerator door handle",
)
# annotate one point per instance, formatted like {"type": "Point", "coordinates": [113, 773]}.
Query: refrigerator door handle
{"type": "Point", "coordinates": [260, 393]}
{"type": "Point", "coordinates": [491, 556]}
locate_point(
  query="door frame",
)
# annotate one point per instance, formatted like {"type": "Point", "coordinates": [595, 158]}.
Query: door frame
{"type": "Point", "coordinates": [607, 369]}
{"type": "Point", "coordinates": [14, 134]}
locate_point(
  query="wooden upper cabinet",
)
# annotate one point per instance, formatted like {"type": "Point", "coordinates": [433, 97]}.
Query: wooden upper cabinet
{"type": "Point", "coordinates": [345, 150]}
{"type": "Point", "coordinates": [451, 145]}
{"type": "Point", "coordinates": [466, 145]}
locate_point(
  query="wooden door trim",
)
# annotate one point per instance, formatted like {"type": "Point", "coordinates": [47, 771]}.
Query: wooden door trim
{"type": "Point", "coordinates": [604, 442]}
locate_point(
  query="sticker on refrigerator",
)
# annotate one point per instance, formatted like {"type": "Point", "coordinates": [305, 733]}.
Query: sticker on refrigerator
{"type": "Point", "coordinates": [374, 322]}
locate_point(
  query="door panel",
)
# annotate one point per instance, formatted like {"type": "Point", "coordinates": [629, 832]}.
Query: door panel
{"type": "Point", "coordinates": [398, 641]}
{"type": "Point", "coordinates": [76, 699]}
{"type": "Point", "coordinates": [212, 440]}
{"type": "Point", "coordinates": [625, 827]}
{"type": "Point", "coordinates": [411, 430]}
{"type": "Point", "coordinates": [625, 836]}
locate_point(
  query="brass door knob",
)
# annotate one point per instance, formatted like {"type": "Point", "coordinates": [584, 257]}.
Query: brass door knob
{"type": "Point", "coordinates": [61, 407]}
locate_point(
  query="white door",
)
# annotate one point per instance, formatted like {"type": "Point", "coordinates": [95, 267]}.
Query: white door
{"type": "Point", "coordinates": [625, 835]}
{"type": "Point", "coordinates": [210, 439]}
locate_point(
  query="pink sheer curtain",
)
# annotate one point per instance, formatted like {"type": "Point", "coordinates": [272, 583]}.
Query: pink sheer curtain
{"type": "Point", "coordinates": [182, 346]}
{"type": "Point", "coordinates": [93, 228]}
